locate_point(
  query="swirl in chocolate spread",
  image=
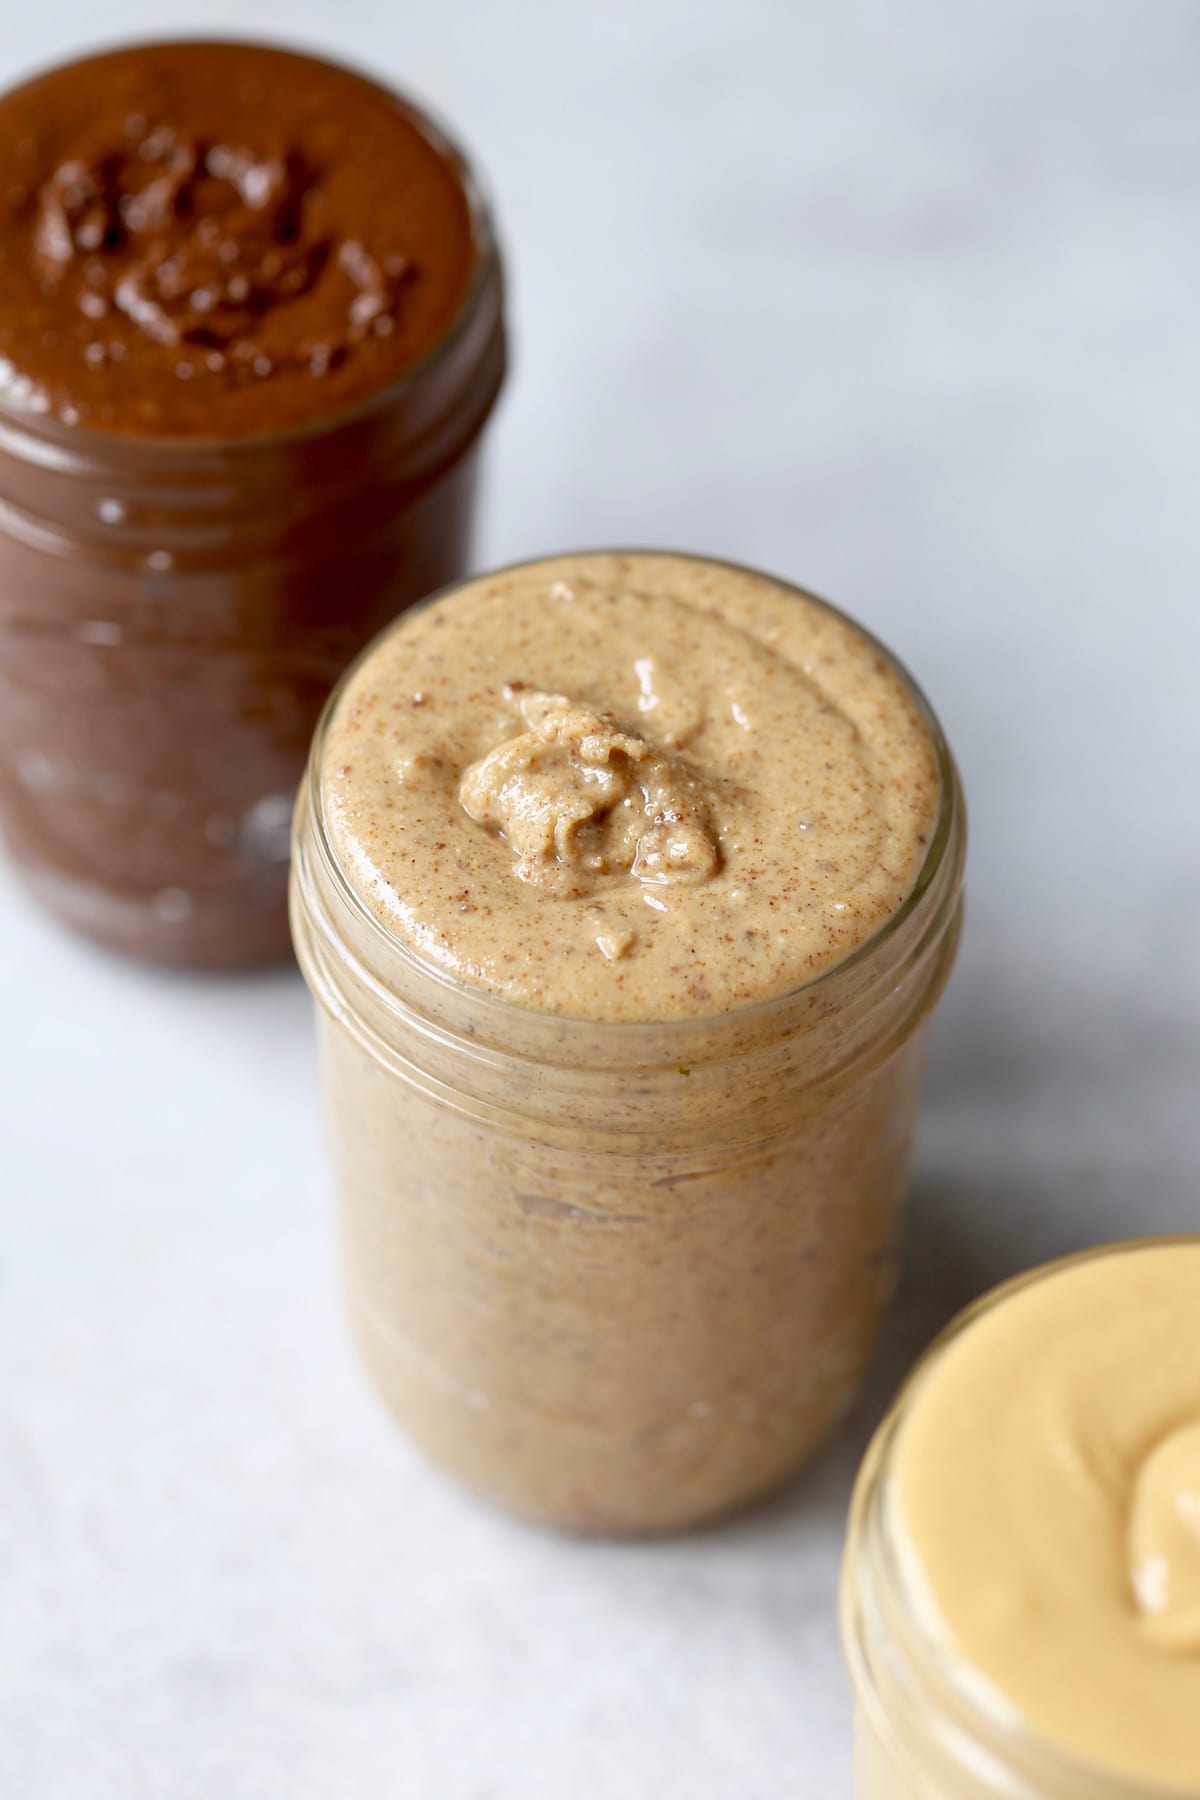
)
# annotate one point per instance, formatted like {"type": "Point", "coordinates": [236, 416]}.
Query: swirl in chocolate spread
{"type": "Point", "coordinates": [196, 243]}
{"type": "Point", "coordinates": [219, 238]}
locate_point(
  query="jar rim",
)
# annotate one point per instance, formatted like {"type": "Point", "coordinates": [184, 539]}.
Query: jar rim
{"type": "Point", "coordinates": [59, 438]}
{"type": "Point", "coordinates": [947, 841]}
{"type": "Point", "coordinates": [870, 1537]}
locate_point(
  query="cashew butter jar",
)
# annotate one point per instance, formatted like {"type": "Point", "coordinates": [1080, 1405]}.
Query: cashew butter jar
{"type": "Point", "coordinates": [626, 885]}
{"type": "Point", "coordinates": [1021, 1588]}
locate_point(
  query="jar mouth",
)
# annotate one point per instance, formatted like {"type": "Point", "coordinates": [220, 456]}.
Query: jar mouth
{"type": "Point", "coordinates": [943, 862]}
{"type": "Point", "coordinates": [58, 441]}
{"type": "Point", "coordinates": [938, 1678]}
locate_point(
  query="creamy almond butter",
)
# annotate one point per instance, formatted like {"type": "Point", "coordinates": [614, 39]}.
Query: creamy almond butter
{"type": "Point", "coordinates": [627, 884]}
{"type": "Point", "coordinates": [631, 787]}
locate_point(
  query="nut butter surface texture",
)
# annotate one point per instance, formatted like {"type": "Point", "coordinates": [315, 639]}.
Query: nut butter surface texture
{"type": "Point", "coordinates": [214, 239]}
{"type": "Point", "coordinates": [633, 787]}
{"type": "Point", "coordinates": [1046, 1486]}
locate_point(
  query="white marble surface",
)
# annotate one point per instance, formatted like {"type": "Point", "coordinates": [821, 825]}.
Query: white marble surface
{"type": "Point", "coordinates": [899, 300]}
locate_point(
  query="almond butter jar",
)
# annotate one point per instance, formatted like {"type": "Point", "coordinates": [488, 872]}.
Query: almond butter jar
{"type": "Point", "coordinates": [251, 329]}
{"type": "Point", "coordinates": [620, 1190]}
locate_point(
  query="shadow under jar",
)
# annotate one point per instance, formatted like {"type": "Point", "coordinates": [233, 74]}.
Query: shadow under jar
{"type": "Point", "coordinates": [619, 1188]}
{"type": "Point", "coordinates": [251, 328]}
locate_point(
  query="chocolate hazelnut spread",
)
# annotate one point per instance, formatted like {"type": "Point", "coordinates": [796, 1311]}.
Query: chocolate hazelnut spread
{"type": "Point", "coordinates": [201, 239]}
{"type": "Point", "coordinates": [250, 330]}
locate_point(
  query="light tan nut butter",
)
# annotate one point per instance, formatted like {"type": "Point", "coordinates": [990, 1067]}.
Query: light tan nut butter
{"type": "Point", "coordinates": [1045, 1490]}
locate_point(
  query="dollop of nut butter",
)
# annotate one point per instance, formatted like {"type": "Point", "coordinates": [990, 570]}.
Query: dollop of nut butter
{"type": "Point", "coordinates": [579, 799]}
{"type": "Point", "coordinates": [637, 787]}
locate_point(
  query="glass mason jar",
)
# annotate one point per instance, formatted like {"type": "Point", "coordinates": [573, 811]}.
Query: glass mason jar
{"type": "Point", "coordinates": [618, 1277]}
{"type": "Point", "coordinates": [173, 613]}
{"type": "Point", "coordinates": [924, 1728]}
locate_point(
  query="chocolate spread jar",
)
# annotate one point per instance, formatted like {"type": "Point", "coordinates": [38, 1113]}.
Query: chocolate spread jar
{"type": "Point", "coordinates": [251, 327]}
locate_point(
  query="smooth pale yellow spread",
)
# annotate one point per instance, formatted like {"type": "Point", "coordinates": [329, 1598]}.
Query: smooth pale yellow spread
{"type": "Point", "coordinates": [631, 787]}
{"type": "Point", "coordinates": [1047, 1487]}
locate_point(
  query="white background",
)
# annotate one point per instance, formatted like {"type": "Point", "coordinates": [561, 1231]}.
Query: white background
{"type": "Point", "coordinates": [898, 300]}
